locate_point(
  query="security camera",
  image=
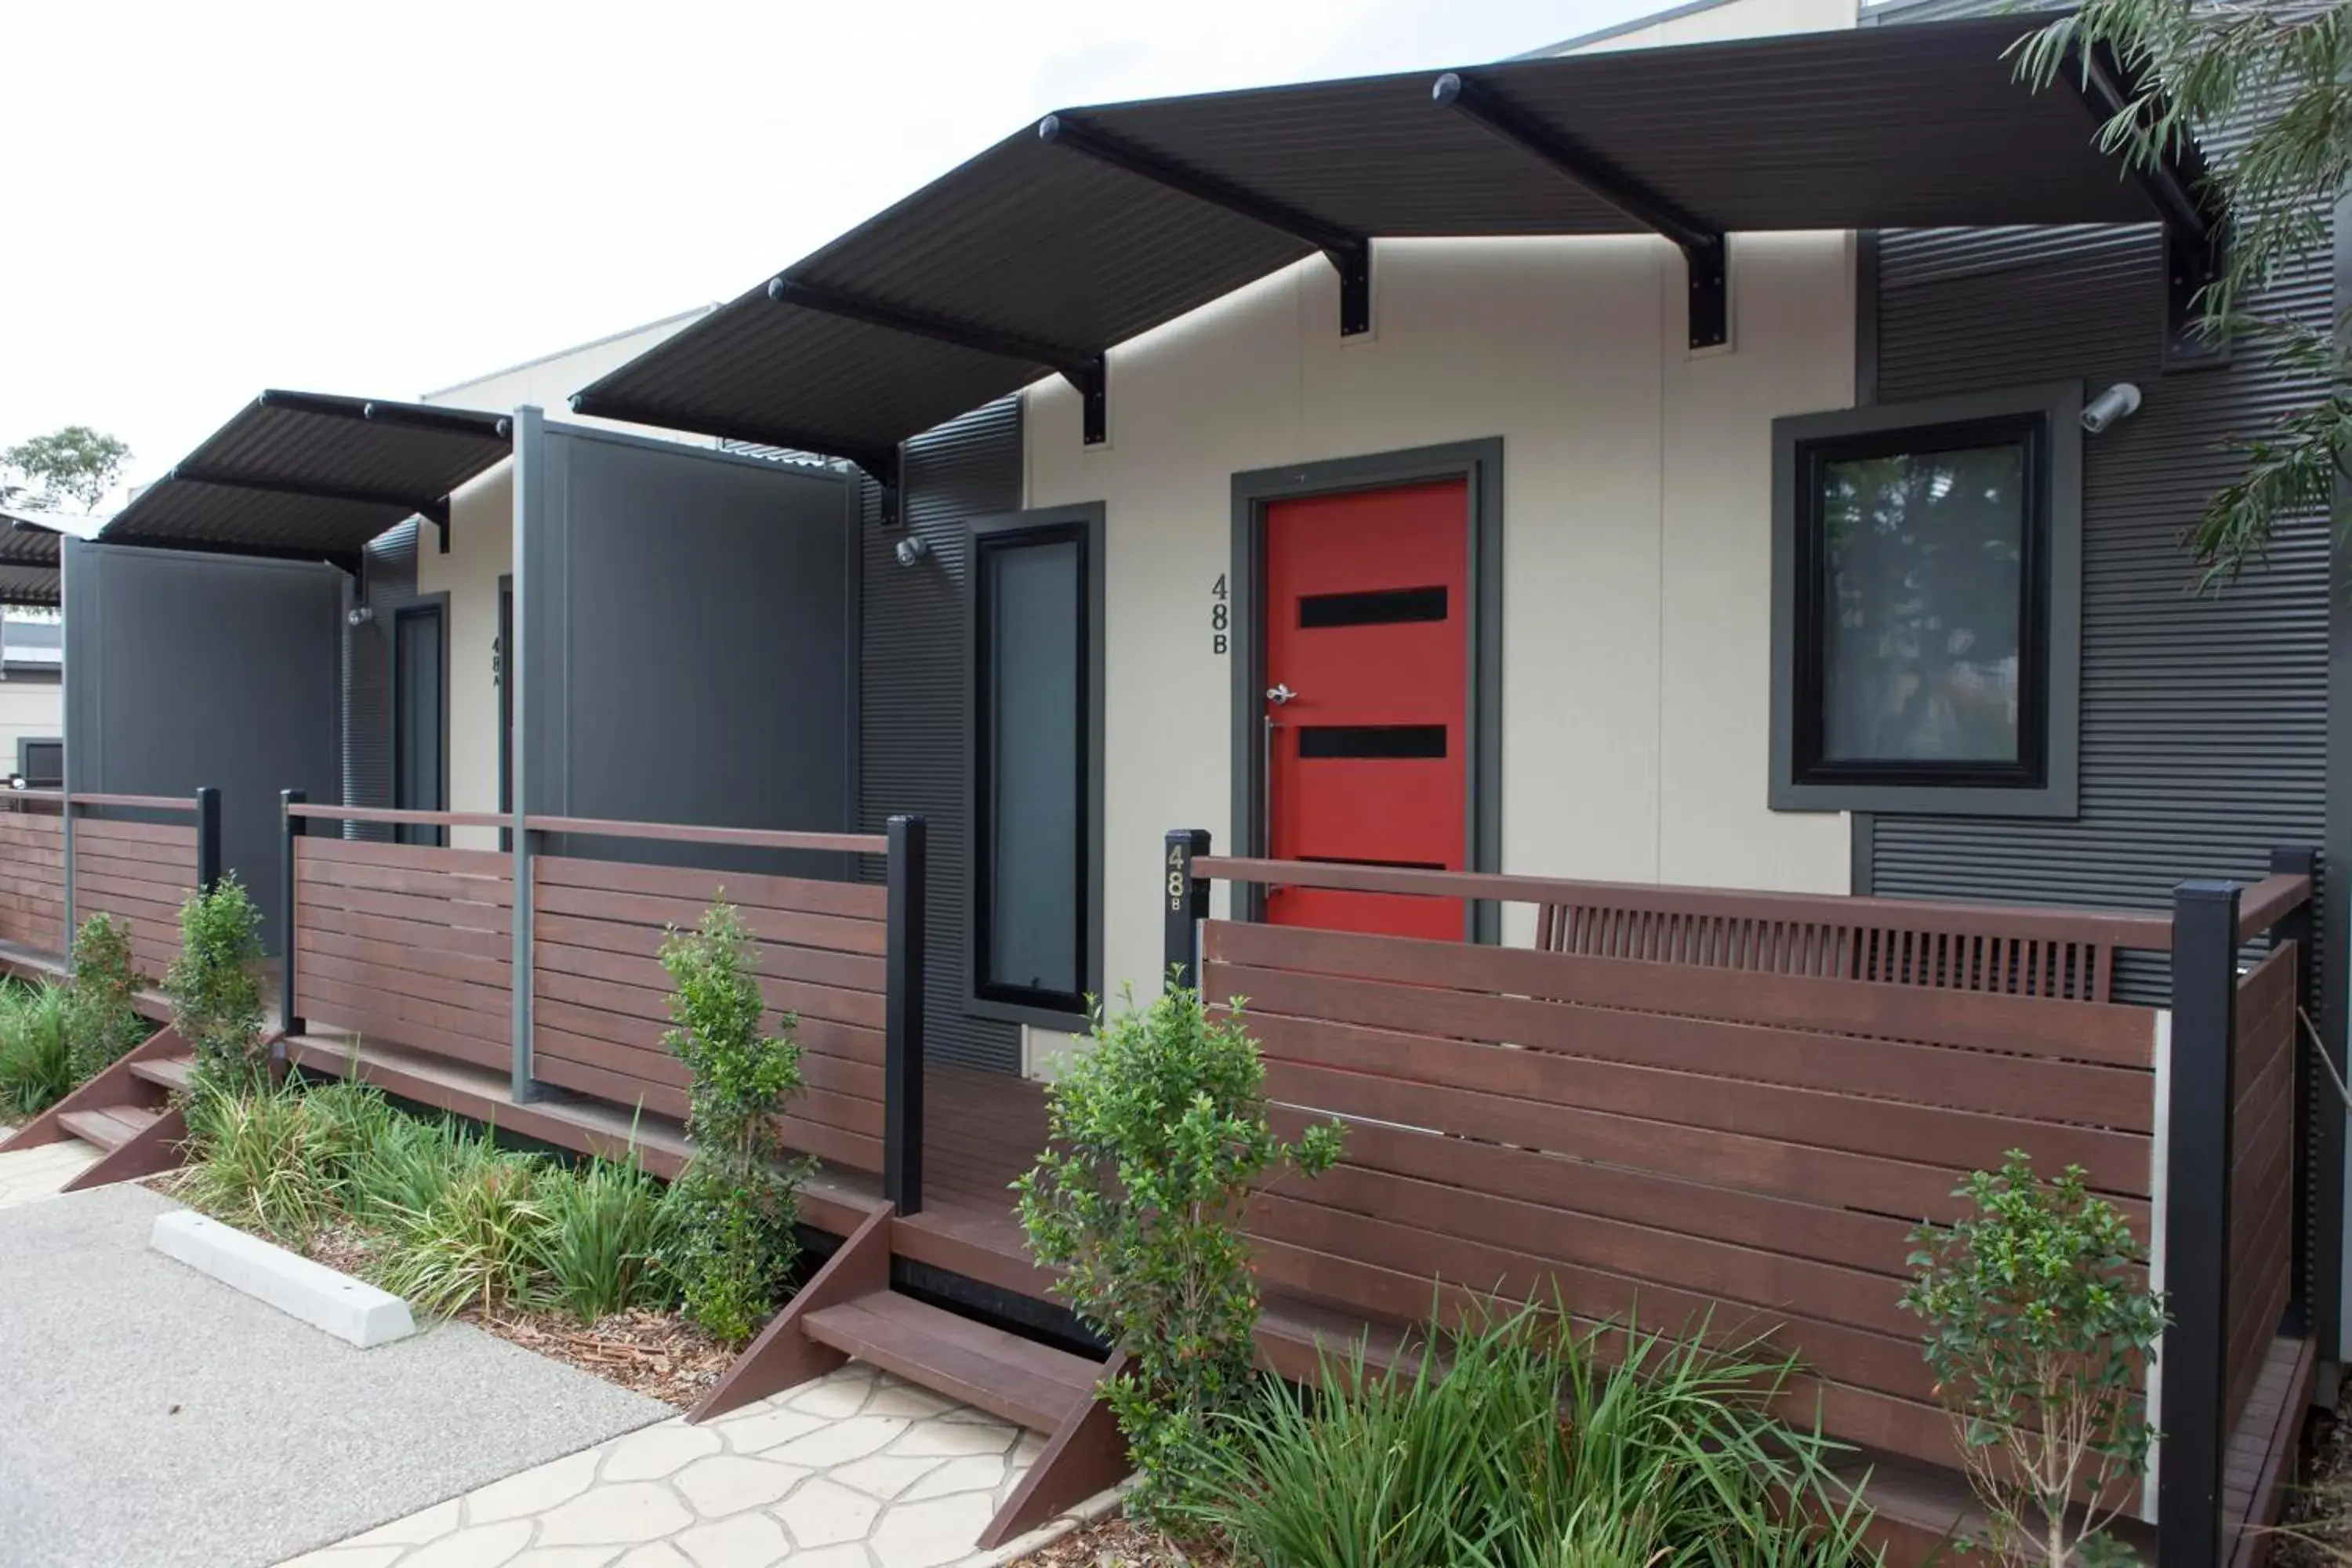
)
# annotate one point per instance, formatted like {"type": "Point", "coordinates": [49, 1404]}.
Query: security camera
{"type": "Point", "coordinates": [2118, 402]}
{"type": "Point", "coordinates": [913, 548]}
{"type": "Point", "coordinates": [360, 615]}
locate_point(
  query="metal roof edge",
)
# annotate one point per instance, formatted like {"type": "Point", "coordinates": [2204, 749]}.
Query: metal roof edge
{"type": "Point", "coordinates": [1619, 29]}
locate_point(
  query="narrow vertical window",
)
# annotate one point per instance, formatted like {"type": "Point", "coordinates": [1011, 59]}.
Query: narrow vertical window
{"type": "Point", "coordinates": [1033, 722]}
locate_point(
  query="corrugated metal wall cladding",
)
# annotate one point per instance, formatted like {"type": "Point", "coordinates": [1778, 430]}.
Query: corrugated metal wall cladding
{"type": "Point", "coordinates": [913, 747]}
{"type": "Point", "coordinates": [2204, 722]}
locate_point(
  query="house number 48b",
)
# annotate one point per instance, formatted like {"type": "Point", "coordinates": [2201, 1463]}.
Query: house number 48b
{"type": "Point", "coordinates": [1221, 618]}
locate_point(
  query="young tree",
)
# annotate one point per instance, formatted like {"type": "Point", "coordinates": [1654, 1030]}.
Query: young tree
{"type": "Point", "coordinates": [75, 464]}
{"type": "Point", "coordinates": [2275, 80]}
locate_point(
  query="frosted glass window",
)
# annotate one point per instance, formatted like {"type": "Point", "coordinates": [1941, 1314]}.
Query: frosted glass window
{"type": "Point", "coordinates": [1033, 830]}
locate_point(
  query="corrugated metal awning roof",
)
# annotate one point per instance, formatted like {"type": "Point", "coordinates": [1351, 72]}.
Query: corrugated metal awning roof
{"type": "Point", "coordinates": [30, 543]}
{"type": "Point", "coordinates": [1057, 255]}
{"type": "Point", "coordinates": [308, 475]}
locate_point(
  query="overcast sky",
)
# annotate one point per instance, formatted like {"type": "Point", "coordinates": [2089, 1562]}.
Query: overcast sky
{"type": "Point", "coordinates": [212, 199]}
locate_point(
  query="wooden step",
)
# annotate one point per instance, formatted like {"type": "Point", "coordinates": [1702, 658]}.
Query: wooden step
{"type": "Point", "coordinates": [111, 1127]}
{"type": "Point", "coordinates": [1002, 1373]}
{"type": "Point", "coordinates": [172, 1072]}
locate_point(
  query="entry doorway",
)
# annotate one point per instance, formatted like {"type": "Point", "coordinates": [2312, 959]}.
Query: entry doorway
{"type": "Point", "coordinates": [1371, 681]}
{"type": "Point", "coordinates": [420, 771]}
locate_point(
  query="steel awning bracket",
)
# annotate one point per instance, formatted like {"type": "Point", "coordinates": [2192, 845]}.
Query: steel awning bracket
{"type": "Point", "coordinates": [1349, 252]}
{"type": "Point", "coordinates": [1705, 250]}
{"type": "Point", "coordinates": [2196, 233]}
{"type": "Point", "coordinates": [1081, 370]}
{"type": "Point", "coordinates": [1093, 382]}
{"type": "Point", "coordinates": [883, 469]}
{"type": "Point", "coordinates": [437, 514]}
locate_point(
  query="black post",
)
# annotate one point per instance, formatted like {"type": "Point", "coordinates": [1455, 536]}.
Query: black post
{"type": "Point", "coordinates": [2196, 1211]}
{"type": "Point", "coordinates": [2319, 1130]}
{"type": "Point", "coordinates": [902, 1039]}
{"type": "Point", "coordinates": [208, 854]}
{"type": "Point", "coordinates": [290, 1021]}
{"type": "Point", "coordinates": [1183, 904]}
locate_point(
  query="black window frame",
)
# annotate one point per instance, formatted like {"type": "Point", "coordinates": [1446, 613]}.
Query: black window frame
{"type": "Point", "coordinates": [1082, 525]}
{"type": "Point", "coordinates": [2042, 781]}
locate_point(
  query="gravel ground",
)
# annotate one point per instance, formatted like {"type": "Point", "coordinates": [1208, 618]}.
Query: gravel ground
{"type": "Point", "coordinates": [151, 1417]}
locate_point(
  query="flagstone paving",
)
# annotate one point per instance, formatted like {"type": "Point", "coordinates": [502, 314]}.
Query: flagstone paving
{"type": "Point", "coordinates": [28, 1175]}
{"type": "Point", "coordinates": [856, 1469]}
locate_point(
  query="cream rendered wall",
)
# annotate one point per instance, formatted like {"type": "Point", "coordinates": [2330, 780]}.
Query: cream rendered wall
{"type": "Point", "coordinates": [1733, 19]}
{"type": "Point", "coordinates": [1636, 520]}
{"type": "Point", "coordinates": [481, 550]}
{"type": "Point", "coordinates": [29, 705]}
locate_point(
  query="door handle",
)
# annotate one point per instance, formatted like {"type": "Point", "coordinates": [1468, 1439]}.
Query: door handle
{"type": "Point", "coordinates": [1279, 694]}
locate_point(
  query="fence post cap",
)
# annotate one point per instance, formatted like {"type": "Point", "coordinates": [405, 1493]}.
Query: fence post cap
{"type": "Point", "coordinates": [2206, 888]}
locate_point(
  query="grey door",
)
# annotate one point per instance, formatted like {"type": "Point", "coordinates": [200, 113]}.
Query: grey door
{"type": "Point", "coordinates": [419, 720]}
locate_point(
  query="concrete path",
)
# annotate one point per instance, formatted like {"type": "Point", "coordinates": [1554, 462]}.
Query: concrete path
{"type": "Point", "coordinates": [151, 1417]}
{"type": "Point", "coordinates": [856, 1469]}
{"type": "Point", "coordinates": [28, 1175]}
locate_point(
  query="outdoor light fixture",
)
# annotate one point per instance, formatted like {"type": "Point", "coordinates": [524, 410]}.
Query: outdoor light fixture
{"type": "Point", "coordinates": [913, 548]}
{"type": "Point", "coordinates": [360, 615]}
{"type": "Point", "coordinates": [2118, 402]}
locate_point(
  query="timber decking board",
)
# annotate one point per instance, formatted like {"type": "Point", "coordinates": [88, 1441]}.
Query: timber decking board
{"type": "Point", "coordinates": [1002, 1374]}
{"type": "Point", "coordinates": [110, 1127]}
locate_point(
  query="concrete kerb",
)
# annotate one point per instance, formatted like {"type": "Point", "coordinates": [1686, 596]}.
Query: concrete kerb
{"type": "Point", "coordinates": [350, 1309]}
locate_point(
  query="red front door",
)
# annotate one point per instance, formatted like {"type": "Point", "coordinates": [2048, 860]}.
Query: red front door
{"type": "Point", "coordinates": [1368, 676]}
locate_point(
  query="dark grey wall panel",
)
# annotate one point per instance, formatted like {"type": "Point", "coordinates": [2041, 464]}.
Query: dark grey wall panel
{"type": "Point", "coordinates": [690, 638]}
{"type": "Point", "coordinates": [916, 652]}
{"type": "Point", "coordinates": [184, 671]}
{"type": "Point", "coordinates": [2204, 714]}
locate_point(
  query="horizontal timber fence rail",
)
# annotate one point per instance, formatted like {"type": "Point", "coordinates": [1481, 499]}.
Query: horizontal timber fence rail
{"type": "Point", "coordinates": [419, 946]}
{"type": "Point", "coordinates": [136, 857]}
{"type": "Point", "coordinates": [1699, 1109]}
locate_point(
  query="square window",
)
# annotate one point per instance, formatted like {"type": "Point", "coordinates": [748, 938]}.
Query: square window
{"type": "Point", "coordinates": [1926, 564]}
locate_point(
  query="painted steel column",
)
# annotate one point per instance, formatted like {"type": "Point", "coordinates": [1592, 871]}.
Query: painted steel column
{"type": "Point", "coordinates": [2319, 1129]}
{"type": "Point", "coordinates": [902, 1047]}
{"type": "Point", "coordinates": [65, 840]}
{"type": "Point", "coordinates": [1183, 905]}
{"type": "Point", "coordinates": [530, 443]}
{"type": "Point", "coordinates": [208, 840]}
{"type": "Point", "coordinates": [2192, 1364]}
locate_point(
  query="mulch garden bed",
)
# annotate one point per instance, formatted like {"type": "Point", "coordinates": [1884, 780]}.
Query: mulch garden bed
{"type": "Point", "coordinates": [2316, 1532]}
{"type": "Point", "coordinates": [1116, 1542]}
{"type": "Point", "coordinates": [657, 1355]}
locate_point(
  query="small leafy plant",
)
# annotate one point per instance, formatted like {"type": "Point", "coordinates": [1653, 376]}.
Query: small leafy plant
{"type": "Point", "coordinates": [1160, 1135]}
{"type": "Point", "coordinates": [267, 1159]}
{"type": "Point", "coordinates": [215, 991]}
{"type": "Point", "coordinates": [36, 1051]}
{"type": "Point", "coordinates": [2040, 1323]}
{"type": "Point", "coordinates": [105, 985]}
{"type": "Point", "coordinates": [607, 1229]}
{"type": "Point", "coordinates": [736, 1205]}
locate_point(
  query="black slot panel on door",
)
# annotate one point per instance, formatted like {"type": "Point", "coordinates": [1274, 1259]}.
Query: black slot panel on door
{"type": "Point", "coordinates": [1387, 742]}
{"type": "Point", "coordinates": [1373, 607]}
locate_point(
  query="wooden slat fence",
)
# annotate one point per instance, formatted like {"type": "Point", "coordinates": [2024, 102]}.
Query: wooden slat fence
{"type": "Point", "coordinates": [1678, 1143]}
{"type": "Point", "coordinates": [141, 872]}
{"type": "Point", "coordinates": [2261, 1276]}
{"type": "Point", "coordinates": [414, 946]}
{"type": "Point", "coordinates": [32, 874]}
{"type": "Point", "coordinates": [406, 942]}
{"type": "Point", "coordinates": [602, 998]}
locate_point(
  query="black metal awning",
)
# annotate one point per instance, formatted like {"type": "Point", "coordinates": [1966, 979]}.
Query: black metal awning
{"type": "Point", "coordinates": [1097, 224]}
{"type": "Point", "coordinates": [313, 476]}
{"type": "Point", "coordinates": [31, 544]}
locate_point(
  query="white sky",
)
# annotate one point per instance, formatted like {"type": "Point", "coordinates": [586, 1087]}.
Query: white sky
{"type": "Point", "coordinates": [212, 199]}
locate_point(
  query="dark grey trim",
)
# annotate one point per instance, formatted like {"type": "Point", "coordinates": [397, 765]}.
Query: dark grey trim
{"type": "Point", "coordinates": [2336, 862]}
{"type": "Point", "coordinates": [1866, 318]}
{"type": "Point", "coordinates": [2061, 403]}
{"type": "Point", "coordinates": [1091, 515]}
{"type": "Point", "coordinates": [1480, 464]}
{"type": "Point", "coordinates": [24, 768]}
{"type": "Point", "coordinates": [438, 605]}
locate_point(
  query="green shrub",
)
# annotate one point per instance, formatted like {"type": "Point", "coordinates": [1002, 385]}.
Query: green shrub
{"type": "Point", "coordinates": [263, 1160]}
{"type": "Point", "coordinates": [409, 1163]}
{"type": "Point", "coordinates": [1522, 1446]}
{"type": "Point", "coordinates": [2040, 1324]}
{"type": "Point", "coordinates": [215, 991]}
{"type": "Point", "coordinates": [474, 1243]}
{"type": "Point", "coordinates": [607, 1229]}
{"type": "Point", "coordinates": [1160, 1135]}
{"type": "Point", "coordinates": [737, 1204]}
{"type": "Point", "coordinates": [105, 986]}
{"type": "Point", "coordinates": [37, 1052]}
